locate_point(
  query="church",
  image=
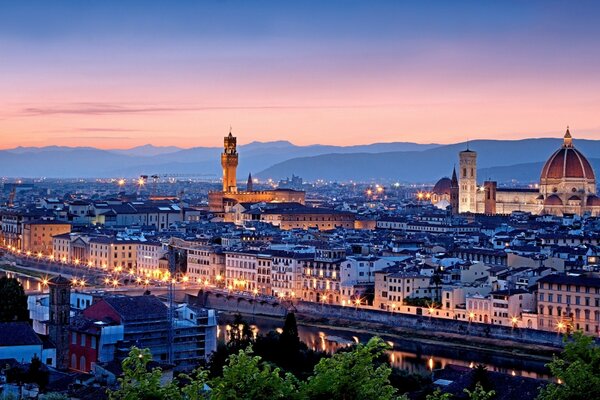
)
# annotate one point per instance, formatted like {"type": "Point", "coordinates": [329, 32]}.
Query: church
{"type": "Point", "coordinates": [222, 201]}
{"type": "Point", "coordinates": [567, 186]}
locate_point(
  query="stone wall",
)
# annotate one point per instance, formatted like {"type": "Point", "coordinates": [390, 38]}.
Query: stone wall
{"type": "Point", "coordinates": [423, 324]}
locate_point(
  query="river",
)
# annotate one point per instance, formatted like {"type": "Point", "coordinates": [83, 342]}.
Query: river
{"type": "Point", "coordinates": [411, 355]}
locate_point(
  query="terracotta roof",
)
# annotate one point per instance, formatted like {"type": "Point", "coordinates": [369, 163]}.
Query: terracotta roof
{"type": "Point", "coordinates": [443, 186]}
{"type": "Point", "coordinates": [567, 162]}
{"type": "Point", "coordinates": [553, 200]}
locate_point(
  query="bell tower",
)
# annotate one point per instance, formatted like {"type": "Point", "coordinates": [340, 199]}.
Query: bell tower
{"type": "Point", "coordinates": [467, 181]}
{"type": "Point", "coordinates": [229, 162]}
{"type": "Point", "coordinates": [60, 309]}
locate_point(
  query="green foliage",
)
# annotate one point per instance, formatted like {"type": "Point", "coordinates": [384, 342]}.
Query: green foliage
{"type": "Point", "coordinates": [352, 375]}
{"type": "Point", "coordinates": [13, 306]}
{"type": "Point", "coordinates": [247, 377]}
{"type": "Point", "coordinates": [138, 382]}
{"type": "Point", "coordinates": [578, 368]}
{"type": "Point", "coordinates": [194, 388]}
{"type": "Point", "coordinates": [438, 395]}
{"type": "Point", "coordinates": [479, 393]}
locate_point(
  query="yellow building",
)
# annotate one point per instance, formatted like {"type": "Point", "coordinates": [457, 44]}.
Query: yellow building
{"type": "Point", "coordinates": [37, 235]}
{"type": "Point", "coordinates": [113, 253]}
{"type": "Point", "coordinates": [567, 303]}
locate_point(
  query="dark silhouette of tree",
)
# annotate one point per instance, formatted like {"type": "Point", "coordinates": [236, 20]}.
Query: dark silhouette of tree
{"type": "Point", "coordinates": [290, 341]}
{"type": "Point", "coordinates": [13, 304]}
{"type": "Point", "coordinates": [481, 376]}
{"type": "Point", "coordinates": [436, 280]}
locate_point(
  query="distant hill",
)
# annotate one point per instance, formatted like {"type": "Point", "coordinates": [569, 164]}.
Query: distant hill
{"type": "Point", "coordinates": [147, 150]}
{"type": "Point", "coordinates": [529, 172]}
{"type": "Point", "coordinates": [524, 158]}
{"type": "Point", "coordinates": [86, 162]}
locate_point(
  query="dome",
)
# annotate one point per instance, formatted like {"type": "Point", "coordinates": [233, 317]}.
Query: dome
{"type": "Point", "coordinates": [553, 200]}
{"type": "Point", "coordinates": [593, 201]}
{"type": "Point", "coordinates": [567, 162]}
{"type": "Point", "coordinates": [443, 186]}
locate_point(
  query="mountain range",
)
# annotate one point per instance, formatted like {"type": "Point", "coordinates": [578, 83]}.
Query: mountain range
{"type": "Point", "coordinates": [502, 160]}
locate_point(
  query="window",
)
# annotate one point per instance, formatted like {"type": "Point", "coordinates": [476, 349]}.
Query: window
{"type": "Point", "coordinates": [73, 338]}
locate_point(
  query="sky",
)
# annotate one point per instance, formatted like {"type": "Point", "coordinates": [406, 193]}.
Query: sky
{"type": "Point", "coordinates": [118, 74]}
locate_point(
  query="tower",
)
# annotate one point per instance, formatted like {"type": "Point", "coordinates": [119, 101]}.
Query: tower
{"type": "Point", "coordinates": [58, 324]}
{"type": "Point", "coordinates": [454, 189]}
{"type": "Point", "coordinates": [249, 185]}
{"type": "Point", "coordinates": [467, 182]}
{"type": "Point", "coordinates": [229, 162]}
{"type": "Point", "coordinates": [489, 202]}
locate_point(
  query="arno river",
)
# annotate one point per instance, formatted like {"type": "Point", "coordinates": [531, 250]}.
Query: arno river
{"type": "Point", "coordinates": [410, 355]}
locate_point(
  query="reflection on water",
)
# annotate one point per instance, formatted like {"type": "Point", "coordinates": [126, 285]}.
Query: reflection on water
{"type": "Point", "coordinates": [29, 283]}
{"type": "Point", "coordinates": [409, 355]}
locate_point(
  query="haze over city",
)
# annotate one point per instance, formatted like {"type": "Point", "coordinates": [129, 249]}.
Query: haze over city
{"type": "Point", "coordinates": [118, 74]}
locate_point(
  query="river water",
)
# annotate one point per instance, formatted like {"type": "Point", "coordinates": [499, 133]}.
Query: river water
{"type": "Point", "coordinates": [407, 354]}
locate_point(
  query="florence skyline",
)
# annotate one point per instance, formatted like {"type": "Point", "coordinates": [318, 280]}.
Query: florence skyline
{"type": "Point", "coordinates": [117, 75]}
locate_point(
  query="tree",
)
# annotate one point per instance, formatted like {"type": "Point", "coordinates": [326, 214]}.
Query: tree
{"type": "Point", "coordinates": [438, 395]}
{"type": "Point", "coordinates": [352, 375]}
{"type": "Point", "coordinates": [577, 369]}
{"type": "Point", "coordinates": [13, 306]}
{"type": "Point", "coordinates": [289, 335]}
{"type": "Point", "coordinates": [479, 393]}
{"type": "Point", "coordinates": [481, 376]}
{"type": "Point", "coordinates": [436, 280]}
{"type": "Point", "coordinates": [240, 334]}
{"type": "Point", "coordinates": [138, 382]}
{"type": "Point", "coordinates": [247, 377]}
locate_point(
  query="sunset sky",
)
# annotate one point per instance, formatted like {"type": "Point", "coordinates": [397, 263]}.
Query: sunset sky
{"type": "Point", "coordinates": [117, 74]}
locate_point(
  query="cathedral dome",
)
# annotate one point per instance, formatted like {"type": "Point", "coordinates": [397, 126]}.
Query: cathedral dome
{"type": "Point", "coordinates": [443, 186]}
{"type": "Point", "coordinates": [567, 163]}
{"type": "Point", "coordinates": [553, 200]}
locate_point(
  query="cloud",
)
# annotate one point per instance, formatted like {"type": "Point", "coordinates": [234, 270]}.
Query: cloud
{"type": "Point", "coordinates": [107, 108]}
{"type": "Point", "coordinates": [94, 109]}
{"type": "Point", "coordinates": [107, 130]}
{"type": "Point", "coordinates": [95, 137]}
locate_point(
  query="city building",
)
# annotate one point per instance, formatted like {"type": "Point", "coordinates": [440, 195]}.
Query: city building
{"type": "Point", "coordinates": [222, 201]}
{"type": "Point", "coordinates": [107, 329]}
{"type": "Point", "coordinates": [37, 235]}
{"type": "Point", "coordinates": [567, 186]}
{"type": "Point", "coordinates": [569, 302]}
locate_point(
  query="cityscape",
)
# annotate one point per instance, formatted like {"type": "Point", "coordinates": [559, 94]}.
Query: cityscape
{"type": "Point", "coordinates": [295, 210]}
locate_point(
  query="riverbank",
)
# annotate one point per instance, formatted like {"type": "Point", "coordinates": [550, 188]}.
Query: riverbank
{"type": "Point", "coordinates": [25, 271]}
{"type": "Point", "coordinates": [493, 347]}
{"type": "Point", "coordinates": [486, 345]}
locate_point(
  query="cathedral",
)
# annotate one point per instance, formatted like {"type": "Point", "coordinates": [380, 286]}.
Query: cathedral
{"type": "Point", "coordinates": [222, 201]}
{"type": "Point", "coordinates": [567, 186]}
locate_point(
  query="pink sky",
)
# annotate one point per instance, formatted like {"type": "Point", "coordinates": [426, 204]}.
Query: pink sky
{"type": "Point", "coordinates": [432, 77]}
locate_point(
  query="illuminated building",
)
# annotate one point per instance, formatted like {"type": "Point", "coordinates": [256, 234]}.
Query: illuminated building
{"type": "Point", "coordinates": [567, 186]}
{"type": "Point", "coordinates": [222, 201]}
